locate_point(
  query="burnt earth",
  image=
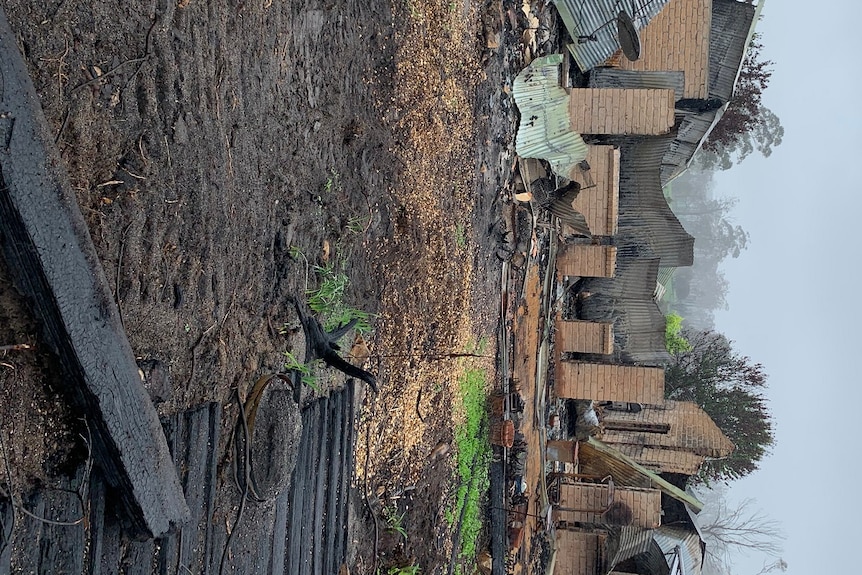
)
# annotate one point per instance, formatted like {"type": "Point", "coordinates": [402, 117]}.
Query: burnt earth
{"type": "Point", "coordinates": [220, 150]}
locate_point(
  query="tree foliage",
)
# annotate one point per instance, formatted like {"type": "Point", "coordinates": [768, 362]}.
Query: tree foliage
{"type": "Point", "coordinates": [673, 340]}
{"type": "Point", "coordinates": [746, 124]}
{"type": "Point", "coordinates": [729, 387]}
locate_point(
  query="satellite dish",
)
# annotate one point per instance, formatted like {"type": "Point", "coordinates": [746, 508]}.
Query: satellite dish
{"type": "Point", "coordinates": [630, 41]}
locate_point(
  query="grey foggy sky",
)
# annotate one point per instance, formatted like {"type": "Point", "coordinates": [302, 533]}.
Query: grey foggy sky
{"type": "Point", "coordinates": [794, 294]}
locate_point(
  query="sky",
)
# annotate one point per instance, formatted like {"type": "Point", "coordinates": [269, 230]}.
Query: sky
{"type": "Point", "coordinates": [793, 293]}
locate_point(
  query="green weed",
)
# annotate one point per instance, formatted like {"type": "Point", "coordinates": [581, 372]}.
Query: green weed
{"type": "Point", "coordinates": [395, 522]}
{"type": "Point", "coordinates": [306, 374]}
{"type": "Point", "coordinates": [675, 342]}
{"type": "Point", "coordinates": [333, 182]}
{"type": "Point", "coordinates": [328, 300]}
{"type": "Point", "coordinates": [358, 224]}
{"type": "Point", "coordinates": [472, 460]}
{"type": "Point", "coordinates": [460, 236]}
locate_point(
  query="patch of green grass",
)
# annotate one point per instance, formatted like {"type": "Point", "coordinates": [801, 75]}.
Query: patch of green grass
{"type": "Point", "coordinates": [357, 224]}
{"type": "Point", "coordinates": [472, 460]}
{"type": "Point", "coordinates": [482, 345]}
{"type": "Point", "coordinates": [328, 300]}
{"type": "Point", "coordinates": [460, 236]}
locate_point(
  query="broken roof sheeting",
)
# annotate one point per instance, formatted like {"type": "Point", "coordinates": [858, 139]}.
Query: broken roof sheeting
{"type": "Point", "coordinates": [691, 133]}
{"type": "Point", "coordinates": [689, 544]}
{"type": "Point", "coordinates": [731, 31]}
{"type": "Point", "coordinates": [728, 42]}
{"type": "Point", "coordinates": [645, 219]}
{"type": "Point", "coordinates": [598, 18]}
{"type": "Point", "coordinates": [545, 129]}
{"type": "Point", "coordinates": [600, 459]}
{"type": "Point", "coordinates": [626, 542]}
{"type": "Point", "coordinates": [639, 324]}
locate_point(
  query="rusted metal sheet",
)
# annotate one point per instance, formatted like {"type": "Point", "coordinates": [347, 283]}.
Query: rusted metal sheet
{"type": "Point", "coordinates": [545, 128]}
{"type": "Point", "coordinates": [596, 19]}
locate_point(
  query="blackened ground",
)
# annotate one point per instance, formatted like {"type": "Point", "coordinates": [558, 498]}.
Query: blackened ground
{"type": "Point", "coordinates": [220, 150]}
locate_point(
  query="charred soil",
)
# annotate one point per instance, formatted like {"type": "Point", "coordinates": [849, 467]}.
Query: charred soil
{"type": "Point", "coordinates": [222, 151]}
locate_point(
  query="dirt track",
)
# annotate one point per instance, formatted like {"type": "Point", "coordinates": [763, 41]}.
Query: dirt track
{"type": "Point", "coordinates": [216, 147]}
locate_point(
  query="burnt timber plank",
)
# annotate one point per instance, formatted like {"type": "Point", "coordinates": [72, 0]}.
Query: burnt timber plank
{"type": "Point", "coordinates": [56, 548]}
{"type": "Point", "coordinates": [138, 558]}
{"type": "Point", "coordinates": [279, 533]}
{"type": "Point", "coordinates": [308, 492]}
{"type": "Point", "coordinates": [334, 471]}
{"type": "Point", "coordinates": [193, 439]}
{"type": "Point", "coordinates": [46, 242]}
{"type": "Point", "coordinates": [297, 493]}
{"type": "Point", "coordinates": [346, 443]}
{"type": "Point", "coordinates": [320, 494]}
{"type": "Point", "coordinates": [98, 544]}
{"type": "Point", "coordinates": [6, 533]}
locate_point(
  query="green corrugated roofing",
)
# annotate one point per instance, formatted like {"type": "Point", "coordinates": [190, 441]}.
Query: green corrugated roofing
{"type": "Point", "coordinates": [545, 129]}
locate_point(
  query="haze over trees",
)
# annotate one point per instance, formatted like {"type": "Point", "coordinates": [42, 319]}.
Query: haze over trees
{"type": "Point", "coordinates": [701, 289]}
{"type": "Point", "coordinates": [707, 369]}
{"type": "Point", "coordinates": [746, 125]}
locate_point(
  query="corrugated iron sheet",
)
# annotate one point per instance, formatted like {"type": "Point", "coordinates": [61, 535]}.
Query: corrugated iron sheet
{"type": "Point", "coordinates": [545, 129]}
{"type": "Point", "coordinates": [616, 78]}
{"type": "Point", "coordinates": [597, 458]}
{"type": "Point", "coordinates": [689, 544]}
{"type": "Point", "coordinates": [728, 40]}
{"type": "Point", "coordinates": [730, 34]}
{"type": "Point", "coordinates": [626, 542]}
{"type": "Point", "coordinates": [692, 131]}
{"type": "Point", "coordinates": [646, 222]}
{"type": "Point", "coordinates": [598, 18]}
{"type": "Point", "coordinates": [627, 300]}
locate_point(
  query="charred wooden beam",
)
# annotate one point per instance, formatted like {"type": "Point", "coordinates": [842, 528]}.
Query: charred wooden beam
{"type": "Point", "coordinates": [46, 243]}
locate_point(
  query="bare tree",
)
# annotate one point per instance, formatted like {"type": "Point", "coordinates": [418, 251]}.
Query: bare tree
{"type": "Point", "coordinates": [730, 530]}
{"type": "Point", "coordinates": [777, 565]}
